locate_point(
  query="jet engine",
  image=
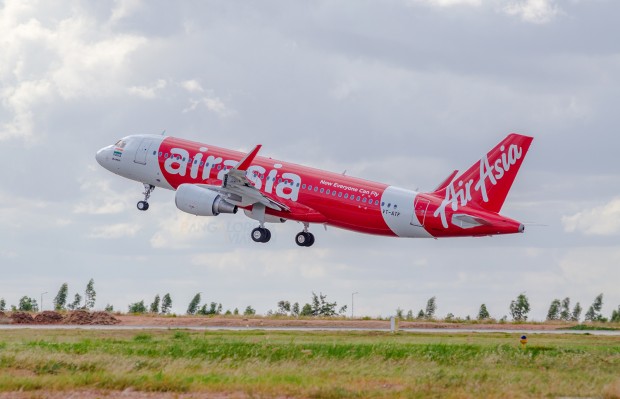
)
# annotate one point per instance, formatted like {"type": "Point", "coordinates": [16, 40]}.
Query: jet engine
{"type": "Point", "coordinates": [201, 201]}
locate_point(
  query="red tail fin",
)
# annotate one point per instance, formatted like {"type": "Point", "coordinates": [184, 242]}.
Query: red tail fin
{"type": "Point", "coordinates": [487, 182]}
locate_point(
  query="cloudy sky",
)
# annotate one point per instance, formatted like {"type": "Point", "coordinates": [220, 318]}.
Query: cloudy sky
{"type": "Point", "coordinates": [399, 91]}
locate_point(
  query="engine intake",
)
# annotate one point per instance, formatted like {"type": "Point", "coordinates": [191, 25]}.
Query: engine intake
{"type": "Point", "coordinates": [201, 201]}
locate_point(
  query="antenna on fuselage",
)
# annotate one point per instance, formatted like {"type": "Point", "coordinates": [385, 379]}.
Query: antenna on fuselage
{"type": "Point", "coordinates": [345, 172]}
{"type": "Point", "coordinates": [163, 132]}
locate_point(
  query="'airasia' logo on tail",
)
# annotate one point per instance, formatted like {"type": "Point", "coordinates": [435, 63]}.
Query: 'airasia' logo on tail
{"type": "Point", "coordinates": [491, 172]}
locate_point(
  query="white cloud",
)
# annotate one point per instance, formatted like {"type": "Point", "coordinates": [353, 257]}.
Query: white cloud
{"type": "Point", "coordinates": [594, 270]}
{"type": "Point", "coordinates": [113, 231]}
{"type": "Point", "coordinates": [450, 3]}
{"type": "Point", "coordinates": [601, 220]}
{"type": "Point", "coordinates": [67, 58]}
{"type": "Point", "coordinates": [148, 92]}
{"type": "Point", "coordinates": [21, 99]}
{"type": "Point", "coordinates": [124, 9]}
{"type": "Point", "coordinates": [289, 263]}
{"type": "Point", "coordinates": [101, 199]}
{"type": "Point", "coordinates": [213, 104]}
{"type": "Point", "coordinates": [534, 11]}
{"type": "Point", "coordinates": [180, 231]}
{"type": "Point", "coordinates": [192, 86]}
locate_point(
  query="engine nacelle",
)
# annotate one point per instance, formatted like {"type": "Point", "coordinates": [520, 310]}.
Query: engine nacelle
{"type": "Point", "coordinates": [201, 201]}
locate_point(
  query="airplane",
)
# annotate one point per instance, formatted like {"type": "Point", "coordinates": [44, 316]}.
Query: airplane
{"type": "Point", "coordinates": [211, 180]}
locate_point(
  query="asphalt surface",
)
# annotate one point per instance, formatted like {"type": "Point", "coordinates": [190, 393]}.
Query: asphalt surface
{"type": "Point", "coordinates": [222, 328]}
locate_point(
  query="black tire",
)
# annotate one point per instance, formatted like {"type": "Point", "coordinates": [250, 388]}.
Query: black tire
{"type": "Point", "coordinates": [267, 235]}
{"type": "Point", "coordinates": [258, 234]}
{"type": "Point", "coordinates": [300, 239]}
{"type": "Point", "coordinates": [304, 239]}
{"type": "Point", "coordinates": [142, 205]}
{"type": "Point", "coordinates": [310, 239]}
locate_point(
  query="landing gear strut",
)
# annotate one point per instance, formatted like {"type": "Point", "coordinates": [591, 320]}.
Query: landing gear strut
{"type": "Point", "coordinates": [261, 234]}
{"type": "Point", "coordinates": [304, 238]}
{"type": "Point", "coordinates": [144, 205]}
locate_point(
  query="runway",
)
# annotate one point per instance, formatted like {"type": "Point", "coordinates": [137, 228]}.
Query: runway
{"type": "Point", "coordinates": [259, 328]}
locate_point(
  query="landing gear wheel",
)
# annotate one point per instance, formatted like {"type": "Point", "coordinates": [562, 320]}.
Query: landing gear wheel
{"type": "Point", "coordinates": [261, 234]}
{"type": "Point", "coordinates": [304, 239]}
{"type": "Point", "coordinates": [142, 205]}
{"type": "Point", "coordinates": [268, 235]}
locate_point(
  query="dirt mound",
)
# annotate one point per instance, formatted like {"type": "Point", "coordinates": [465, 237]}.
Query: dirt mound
{"type": "Point", "coordinates": [22, 318]}
{"type": "Point", "coordinates": [104, 318]}
{"type": "Point", "coordinates": [48, 317]}
{"type": "Point", "coordinates": [83, 317]}
{"type": "Point", "coordinates": [2, 314]}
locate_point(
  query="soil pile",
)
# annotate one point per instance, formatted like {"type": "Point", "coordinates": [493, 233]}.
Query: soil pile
{"type": "Point", "coordinates": [48, 317]}
{"type": "Point", "coordinates": [83, 317]}
{"type": "Point", "coordinates": [80, 317]}
{"type": "Point", "coordinates": [21, 318]}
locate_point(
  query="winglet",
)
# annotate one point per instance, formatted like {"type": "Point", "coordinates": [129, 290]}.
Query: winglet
{"type": "Point", "coordinates": [244, 164]}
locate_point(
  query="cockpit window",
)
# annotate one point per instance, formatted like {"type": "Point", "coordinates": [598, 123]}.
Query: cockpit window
{"type": "Point", "coordinates": [120, 144]}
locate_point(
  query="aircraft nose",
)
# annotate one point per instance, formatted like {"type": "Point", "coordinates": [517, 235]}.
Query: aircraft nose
{"type": "Point", "coordinates": [102, 156]}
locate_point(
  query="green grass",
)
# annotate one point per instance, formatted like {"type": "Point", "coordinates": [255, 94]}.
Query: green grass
{"type": "Point", "coordinates": [588, 327]}
{"type": "Point", "coordinates": [323, 364]}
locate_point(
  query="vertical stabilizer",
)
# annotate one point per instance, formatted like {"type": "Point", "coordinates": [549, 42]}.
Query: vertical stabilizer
{"type": "Point", "coordinates": [487, 182]}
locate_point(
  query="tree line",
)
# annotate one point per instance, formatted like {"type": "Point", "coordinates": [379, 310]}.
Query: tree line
{"type": "Point", "coordinates": [318, 306]}
{"type": "Point", "coordinates": [519, 308]}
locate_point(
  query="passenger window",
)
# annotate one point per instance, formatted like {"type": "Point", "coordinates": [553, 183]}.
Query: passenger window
{"type": "Point", "coordinates": [340, 195]}
{"type": "Point", "coordinates": [166, 156]}
{"type": "Point", "coordinates": [309, 187]}
{"type": "Point", "coordinates": [395, 206]}
{"type": "Point", "coordinates": [334, 193]}
{"type": "Point", "coordinates": [303, 186]}
{"type": "Point", "coordinates": [316, 189]}
{"type": "Point", "coordinates": [160, 153]}
{"type": "Point", "coordinates": [346, 195]}
{"type": "Point", "coordinates": [376, 202]}
{"type": "Point", "coordinates": [358, 198]}
{"type": "Point", "coordinates": [207, 164]}
{"type": "Point", "coordinates": [202, 163]}
{"type": "Point", "coordinates": [364, 200]}
{"type": "Point", "coordinates": [327, 192]}
{"type": "Point", "coordinates": [297, 184]}
{"type": "Point", "coordinates": [219, 167]}
{"type": "Point", "coordinates": [154, 152]}
{"type": "Point", "coordinates": [322, 190]}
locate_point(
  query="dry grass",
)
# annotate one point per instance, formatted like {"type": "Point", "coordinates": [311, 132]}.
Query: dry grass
{"type": "Point", "coordinates": [310, 364]}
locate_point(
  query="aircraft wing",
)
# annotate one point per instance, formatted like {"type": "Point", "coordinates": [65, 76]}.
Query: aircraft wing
{"type": "Point", "coordinates": [239, 189]}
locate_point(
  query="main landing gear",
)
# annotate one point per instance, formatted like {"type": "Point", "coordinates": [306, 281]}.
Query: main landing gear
{"type": "Point", "coordinates": [144, 205]}
{"type": "Point", "coordinates": [261, 234]}
{"type": "Point", "coordinates": [304, 238]}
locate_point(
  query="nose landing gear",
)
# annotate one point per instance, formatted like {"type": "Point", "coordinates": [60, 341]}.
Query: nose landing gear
{"type": "Point", "coordinates": [144, 205]}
